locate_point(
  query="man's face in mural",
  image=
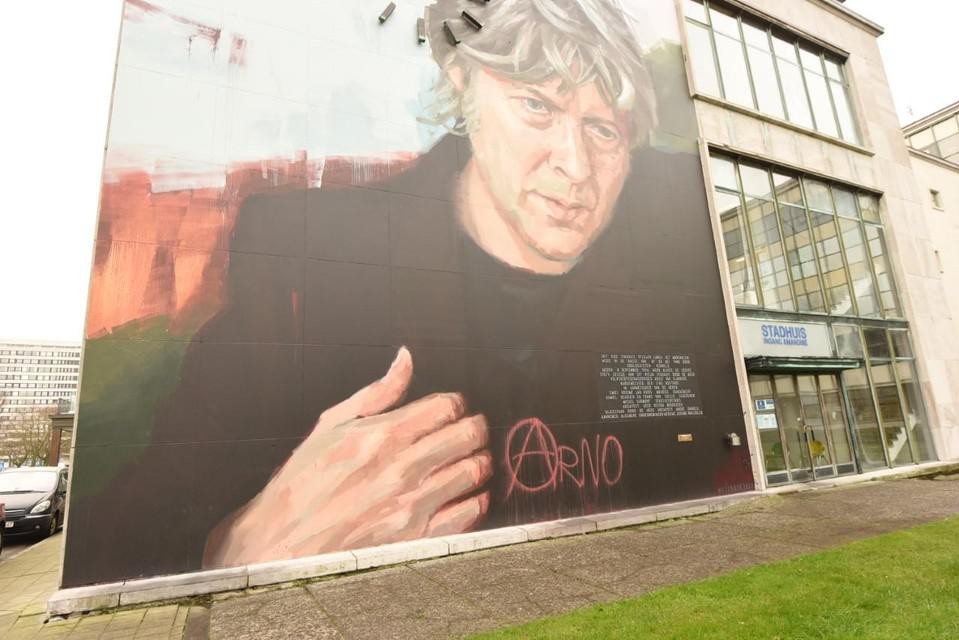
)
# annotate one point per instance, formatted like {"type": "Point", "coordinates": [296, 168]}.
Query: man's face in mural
{"type": "Point", "coordinates": [548, 166]}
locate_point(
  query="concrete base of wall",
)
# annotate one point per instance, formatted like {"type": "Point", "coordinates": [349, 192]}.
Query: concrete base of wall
{"type": "Point", "coordinates": [165, 588]}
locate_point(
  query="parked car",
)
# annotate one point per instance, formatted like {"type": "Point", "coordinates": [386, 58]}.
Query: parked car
{"type": "Point", "coordinates": [34, 500]}
{"type": "Point", "coordinates": [3, 522]}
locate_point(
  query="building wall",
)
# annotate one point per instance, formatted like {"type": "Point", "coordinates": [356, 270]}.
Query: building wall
{"type": "Point", "coordinates": [941, 268]}
{"type": "Point", "coordinates": [37, 376]}
{"type": "Point", "coordinates": [279, 223]}
{"type": "Point", "coordinates": [882, 163]}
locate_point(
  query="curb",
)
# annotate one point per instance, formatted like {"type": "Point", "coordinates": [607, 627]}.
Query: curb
{"type": "Point", "coordinates": [198, 583]}
{"type": "Point", "coordinates": [174, 587]}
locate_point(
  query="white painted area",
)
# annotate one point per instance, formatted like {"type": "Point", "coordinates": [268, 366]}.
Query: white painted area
{"type": "Point", "coordinates": [283, 78]}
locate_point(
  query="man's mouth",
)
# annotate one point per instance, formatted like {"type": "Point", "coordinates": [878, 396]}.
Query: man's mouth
{"type": "Point", "coordinates": [563, 212]}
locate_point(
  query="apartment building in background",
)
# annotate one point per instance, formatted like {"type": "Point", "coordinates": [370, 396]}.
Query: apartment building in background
{"type": "Point", "coordinates": [37, 376]}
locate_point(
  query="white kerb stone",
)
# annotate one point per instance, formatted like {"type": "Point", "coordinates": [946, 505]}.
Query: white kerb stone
{"type": "Point", "coordinates": [559, 528]}
{"type": "Point", "coordinates": [400, 552]}
{"type": "Point", "coordinates": [620, 519]}
{"type": "Point", "coordinates": [682, 512]}
{"type": "Point", "coordinates": [301, 568]}
{"type": "Point", "coordinates": [476, 540]}
{"type": "Point", "coordinates": [67, 601]}
{"type": "Point", "coordinates": [183, 585]}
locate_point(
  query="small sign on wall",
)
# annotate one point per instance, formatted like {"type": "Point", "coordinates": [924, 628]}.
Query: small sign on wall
{"type": "Point", "coordinates": [765, 404]}
{"type": "Point", "coordinates": [766, 421]}
{"type": "Point", "coordinates": [784, 339]}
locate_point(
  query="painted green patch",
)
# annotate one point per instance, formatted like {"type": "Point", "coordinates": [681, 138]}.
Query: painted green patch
{"type": "Point", "coordinates": [125, 377]}
{"type": "Point", "coordinates": [903, 585]}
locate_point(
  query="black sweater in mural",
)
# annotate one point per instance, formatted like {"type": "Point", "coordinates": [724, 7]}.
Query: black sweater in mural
{"type": "Point", "coordinates": [325, 284]}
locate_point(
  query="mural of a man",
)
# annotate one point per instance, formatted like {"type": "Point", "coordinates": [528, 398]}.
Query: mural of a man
{"type": "Point", "coordinates": [382, 341]}
{"type": "Point", "coordinates": [551, 96]}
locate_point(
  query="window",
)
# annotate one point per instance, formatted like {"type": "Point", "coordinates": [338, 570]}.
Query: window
{"type": "Point", "coordinates": [940, 139]}
{"type": "Point", "coordinates": [887, 382]}
{"type": "Point", "coordinates": [901, 412]}
{"type": "Point", "coordinates": [795, 243]}
{"type": "Point", "coordinates": [737, 59]}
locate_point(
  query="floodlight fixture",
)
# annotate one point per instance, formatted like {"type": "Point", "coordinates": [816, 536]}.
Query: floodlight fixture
{"type": "Point", "coordinates": [471, 21]}
{"type": "Point", "coordinates": [420, 30]}
{"type": "Point", "coordinates": [450, 34]}
{"type": "Point", "coordinates": [387, 12]}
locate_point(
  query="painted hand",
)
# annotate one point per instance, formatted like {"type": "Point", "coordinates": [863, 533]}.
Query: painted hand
{"type": "Point", "coordinates": [365, 476]}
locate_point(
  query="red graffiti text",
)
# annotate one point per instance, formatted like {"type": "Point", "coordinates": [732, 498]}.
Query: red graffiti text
{"type": "Point", "coordinates": [536, 461]}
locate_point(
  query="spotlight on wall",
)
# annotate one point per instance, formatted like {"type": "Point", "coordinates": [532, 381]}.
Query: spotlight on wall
{"type": "Point", "coordinates": [420, 30]}
{"type": "Point", "coordinates": [733, 440]}
{"type": "Point", "coordinates": [471, 21]}
{"type": "Point", "coordinates": [387, 12]}
{"type": "Point", "coordinates": [450, 34]}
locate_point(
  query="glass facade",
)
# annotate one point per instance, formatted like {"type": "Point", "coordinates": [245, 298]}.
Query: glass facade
{"type": "Point", "coordinates": [740, 60]}
{"type": "Point", "coordinates": [795, 243]}
{"type": "Point", "coordinates": [802, 249]}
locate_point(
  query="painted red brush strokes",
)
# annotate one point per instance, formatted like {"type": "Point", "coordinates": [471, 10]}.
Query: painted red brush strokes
{"type": "Point", "coordinates": [165, 253]}
{"type": "Point", "coordinates": [212, 34]}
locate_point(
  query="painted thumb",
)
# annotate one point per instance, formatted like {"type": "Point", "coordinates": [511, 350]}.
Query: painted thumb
{"type": "Point", "coordinates": [390, 389]}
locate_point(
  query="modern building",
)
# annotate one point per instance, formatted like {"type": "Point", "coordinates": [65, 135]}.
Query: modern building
{"type": "Point", "coordinates": [934, 153]}
{"type": "Point", "coordinates": [846, 343]}
{"type": "Point", "coordinates": [36, 381]}
{"type": "Point", "coordinates": [721, 272]}
{"type": "Point", "coordinates": [37, 376]}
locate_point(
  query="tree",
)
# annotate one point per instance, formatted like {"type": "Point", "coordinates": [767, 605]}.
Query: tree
{"type": "Point", "coordinates": [25, 435]}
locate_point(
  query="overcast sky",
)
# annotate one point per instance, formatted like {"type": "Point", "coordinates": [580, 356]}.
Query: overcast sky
{"type": "Point", "coordinates": [57, 58]}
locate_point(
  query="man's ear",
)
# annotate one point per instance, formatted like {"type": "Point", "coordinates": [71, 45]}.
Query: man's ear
{"type": "Point", "coordinates": [457, 76]}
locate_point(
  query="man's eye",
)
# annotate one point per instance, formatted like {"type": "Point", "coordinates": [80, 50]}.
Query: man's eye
{"type": "Point", "coordinates": [604, 132]}
{"type": "Point", "coordinates": [536, 106]}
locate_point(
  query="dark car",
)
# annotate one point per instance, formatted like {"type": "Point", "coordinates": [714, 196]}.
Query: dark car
{"type": "Point", "coordinates": [34, 500]}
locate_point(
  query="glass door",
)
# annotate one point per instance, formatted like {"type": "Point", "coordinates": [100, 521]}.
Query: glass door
{"type": "Point", "coordinates": [767, 423]}
{"type": "Point", "coordinates": [836, 424]}
{"type": "Point", "coordinates": [792, 426]}
{"type": "Point", "coordinates": [803, 428]}
{"type": "Point", "coordinates": [814, 427]}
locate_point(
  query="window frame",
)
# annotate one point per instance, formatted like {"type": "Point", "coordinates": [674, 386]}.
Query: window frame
{"type": "Point", "coordinates": [934, 148]}
{"type": "Point", "coordinates": [862, 224]}
{"type": "Point", "coordinates": [853, 137]}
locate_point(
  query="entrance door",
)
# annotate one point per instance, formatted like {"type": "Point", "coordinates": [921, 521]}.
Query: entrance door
{"type": "Point", "coordinates": [802, 426]}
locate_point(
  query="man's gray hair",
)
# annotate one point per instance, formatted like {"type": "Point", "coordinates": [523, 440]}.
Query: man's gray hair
{"type": "Point", "coordinates": [533, 41]}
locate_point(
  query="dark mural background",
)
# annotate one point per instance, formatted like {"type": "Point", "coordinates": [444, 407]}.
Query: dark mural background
{"type": "Point", "coordinates": [314, 351]}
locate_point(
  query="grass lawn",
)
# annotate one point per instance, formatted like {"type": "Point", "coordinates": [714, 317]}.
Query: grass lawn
{"type": "Point", "coordinates": [901, 585]}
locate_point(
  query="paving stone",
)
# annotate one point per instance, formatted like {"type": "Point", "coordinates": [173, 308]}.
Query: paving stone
{"type": "Point", "coordinates": [455, 596]}
{"type": "Point", "coordinates": [286, 613]}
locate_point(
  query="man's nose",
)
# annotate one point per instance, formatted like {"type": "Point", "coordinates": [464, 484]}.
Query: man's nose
{"type": "Point", "coordinates": [570, 157]}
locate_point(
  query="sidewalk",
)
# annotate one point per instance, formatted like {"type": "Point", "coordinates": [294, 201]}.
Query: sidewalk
{"type": "Point", "coordinates": [455, 596]}
{"type": "Point", "coordinates": [30, 577]}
